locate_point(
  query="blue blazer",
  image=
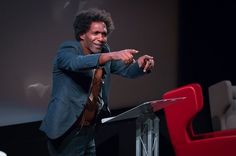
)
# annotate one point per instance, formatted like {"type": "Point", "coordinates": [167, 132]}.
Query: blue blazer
{"type": "Point", "coordinates": [72, 76]}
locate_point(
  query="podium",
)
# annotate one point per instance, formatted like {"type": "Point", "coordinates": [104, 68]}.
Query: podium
{"type": "Point", "coordinates": [134, 132]}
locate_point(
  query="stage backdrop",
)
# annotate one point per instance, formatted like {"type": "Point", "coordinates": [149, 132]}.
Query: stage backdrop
{"type": "Point", "coordinates": [32, 30]}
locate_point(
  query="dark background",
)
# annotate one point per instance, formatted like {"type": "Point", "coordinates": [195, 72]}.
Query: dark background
{"type": "Point", "coordinates": [192, 41]}
{"type": "Point", "coordinates": [206, 47]}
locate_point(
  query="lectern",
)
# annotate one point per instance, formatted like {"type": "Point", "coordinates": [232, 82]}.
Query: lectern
{"type": "Point", "coordinates": [136, 131]}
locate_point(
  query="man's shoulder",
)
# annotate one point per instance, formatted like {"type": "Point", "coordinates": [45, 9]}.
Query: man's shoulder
{"type": "Point", "coordinates": [74, 44]}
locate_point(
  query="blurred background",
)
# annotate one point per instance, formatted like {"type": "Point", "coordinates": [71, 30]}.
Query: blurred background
{"type": "Point", "coordinates": [31, 32]}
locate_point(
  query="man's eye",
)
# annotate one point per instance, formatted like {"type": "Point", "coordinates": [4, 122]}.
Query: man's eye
{"type": "Point", "coordinates": [104, 34]}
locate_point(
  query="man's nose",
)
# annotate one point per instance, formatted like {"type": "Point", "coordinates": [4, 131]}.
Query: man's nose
{"type": "Point", "coordinates": [102, 38]}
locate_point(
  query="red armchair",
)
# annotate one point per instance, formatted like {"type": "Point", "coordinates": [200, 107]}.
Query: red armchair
{"type": "Point", "coordinates": [179, 118]}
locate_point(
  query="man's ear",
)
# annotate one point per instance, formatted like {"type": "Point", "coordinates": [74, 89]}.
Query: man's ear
{"type": "Point", "coordinates": [82, 37]}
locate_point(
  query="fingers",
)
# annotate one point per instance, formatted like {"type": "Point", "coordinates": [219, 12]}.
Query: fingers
{"type": "Point", "coordinates": [148, 57]}
{"type": "Point", "coordinates": [129, 61]}
{"type": "Point", "coordinates": [146, 62]}
{"type": "Point", "coordinates": [127, 55]}
{"type": "Point", "coordinates": [132, 51]}
{"type": "Point", "coordinates": [149, 64]}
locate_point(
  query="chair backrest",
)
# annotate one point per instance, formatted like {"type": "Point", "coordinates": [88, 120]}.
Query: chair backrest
{"type": "Point", "coordinates": [222, 99]}
{"type": "Point", "coordinates": [179, 115]}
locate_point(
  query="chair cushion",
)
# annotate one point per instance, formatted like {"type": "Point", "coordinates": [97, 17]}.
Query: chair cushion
{"type": "Point", "coordinates": [230, 119]}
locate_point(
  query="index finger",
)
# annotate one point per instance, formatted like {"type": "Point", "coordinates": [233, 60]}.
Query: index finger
{"type": "Point", "coordinates": [147, 57]}
{"type": "Point", "coordinates": [132, 51]}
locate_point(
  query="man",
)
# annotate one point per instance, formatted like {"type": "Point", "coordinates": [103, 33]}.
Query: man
{"type": "Point", "coordinates": [74, 65]}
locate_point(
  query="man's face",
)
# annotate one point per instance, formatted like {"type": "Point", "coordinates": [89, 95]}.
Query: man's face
{"type": "Point", "coordinates": [94, 39]}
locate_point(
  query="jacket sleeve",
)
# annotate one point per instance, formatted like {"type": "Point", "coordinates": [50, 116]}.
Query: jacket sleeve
{"type": "Point", "coordinates": [129, 71]}
{"type": "Point", "coordinates": [70, 57]}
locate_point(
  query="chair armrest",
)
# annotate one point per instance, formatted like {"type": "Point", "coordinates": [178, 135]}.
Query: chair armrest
{"type": "Point", "coordinates": [224, 133]}
{"type": "Point", "coordinates": [211, 146]}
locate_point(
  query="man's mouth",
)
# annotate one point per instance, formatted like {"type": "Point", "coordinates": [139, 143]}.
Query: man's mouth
{"type": "Point", "coordinates": [98, 45]}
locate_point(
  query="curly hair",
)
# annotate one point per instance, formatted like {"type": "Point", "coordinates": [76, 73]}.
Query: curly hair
{"type": "Point", "coordinates": [84, 19]}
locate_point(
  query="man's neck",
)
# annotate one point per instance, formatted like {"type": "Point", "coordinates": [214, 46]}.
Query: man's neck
{"type": "Point", "coordinates": [86, 51]}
